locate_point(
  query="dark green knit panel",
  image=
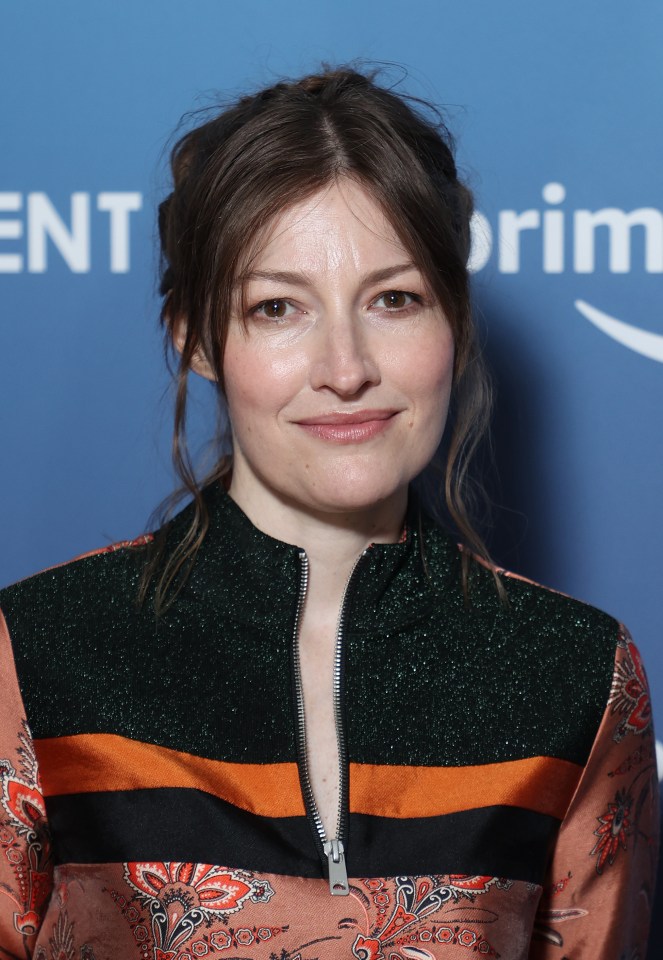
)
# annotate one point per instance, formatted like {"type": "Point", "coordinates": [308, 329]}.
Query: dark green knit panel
{"type": "Point", "coordinates": [429, 678]}
{"type": "Point", "coordinates": [479, 682]}
{"type": "Point", "coordinates": [199, 679]}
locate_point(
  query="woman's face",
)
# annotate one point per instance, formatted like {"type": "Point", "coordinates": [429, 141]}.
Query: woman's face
{"type": "Point", "coordinates": [338, 363]}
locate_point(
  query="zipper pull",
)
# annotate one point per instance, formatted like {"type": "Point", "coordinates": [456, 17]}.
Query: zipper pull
{"type": "Point", "coordinates": [338, 874]}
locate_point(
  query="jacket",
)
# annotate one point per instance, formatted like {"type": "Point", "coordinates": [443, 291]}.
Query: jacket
{"type": "Point", "coordinates": [498, 784]}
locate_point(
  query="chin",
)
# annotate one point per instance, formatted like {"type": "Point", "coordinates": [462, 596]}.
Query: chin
{"type": "Point", "coordinates": [346, 494]}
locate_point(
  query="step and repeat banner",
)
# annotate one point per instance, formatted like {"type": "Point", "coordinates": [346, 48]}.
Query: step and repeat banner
{"type": "Point", "coordinates": [556, 107]}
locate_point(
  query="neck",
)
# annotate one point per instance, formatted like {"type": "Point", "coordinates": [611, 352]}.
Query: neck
{"type": "Point", "coordinates": [332, 541]}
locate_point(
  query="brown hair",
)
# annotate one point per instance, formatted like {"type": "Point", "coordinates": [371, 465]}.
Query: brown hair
{"type": "Point", "coordinates": [238, 170]}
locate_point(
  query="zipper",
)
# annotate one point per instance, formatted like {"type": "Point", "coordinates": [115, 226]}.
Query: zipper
{"type": "Point", "coordinates": [332, 850]}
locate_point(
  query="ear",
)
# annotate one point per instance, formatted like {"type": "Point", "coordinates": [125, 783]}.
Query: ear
{"type": "Point", "coordinates": [199, 362]}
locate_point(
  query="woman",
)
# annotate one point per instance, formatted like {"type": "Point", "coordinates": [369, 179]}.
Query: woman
{"type": "Point", "coordinates": [300, 722]}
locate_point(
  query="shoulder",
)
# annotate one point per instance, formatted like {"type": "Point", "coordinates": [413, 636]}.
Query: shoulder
{"type": "Point", "coordinates": [566, 637]}
{"type": "Point", "coordinates": [516, 602]}
{"type": "Point", "coordinates": [92, 601]}
{"type": "Point", "coordinates": [557, 652]}
{"type": "Point", "coordinates": [79, 590]}
{"type": "Point", "coordinates": [576, 625]}
{"type": "Point", "coordinates": [78, 571]}
{"type": "Point", "coordinates": [72, 629]}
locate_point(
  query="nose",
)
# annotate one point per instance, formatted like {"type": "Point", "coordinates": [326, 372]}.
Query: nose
{"type": "Point", "coordinates": [345, 359]}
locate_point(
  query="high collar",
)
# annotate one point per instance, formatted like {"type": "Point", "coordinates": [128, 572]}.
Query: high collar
{"type": "Point", "coordinates": [393, 582]}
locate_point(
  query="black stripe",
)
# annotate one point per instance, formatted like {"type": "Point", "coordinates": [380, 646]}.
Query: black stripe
{"type": "Point", "coordinates": [489, 841]}
{"type": "Point", "coordinates": [191, 826]}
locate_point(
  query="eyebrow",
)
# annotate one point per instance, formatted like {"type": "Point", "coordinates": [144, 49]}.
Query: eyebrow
{"type": "Point", "coordinates": [302, 280]}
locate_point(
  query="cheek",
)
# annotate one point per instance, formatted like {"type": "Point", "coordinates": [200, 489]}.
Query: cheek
{"type": "Point", "coordinates": [427, 371]}
{"type": "Point", "coordinates": [427, 378]}
{"type": "Point", "coordinates": [257, 385]}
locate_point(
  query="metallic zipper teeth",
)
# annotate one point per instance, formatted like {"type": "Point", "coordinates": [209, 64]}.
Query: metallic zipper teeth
{"type": "Point", "coordinates": [340, 732]}
{"type": "Point", "coordinates": [309, 799]}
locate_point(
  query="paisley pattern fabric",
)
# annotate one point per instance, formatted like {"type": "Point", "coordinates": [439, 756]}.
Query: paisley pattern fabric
{"type": "Point", "coordinates": [502, 796]}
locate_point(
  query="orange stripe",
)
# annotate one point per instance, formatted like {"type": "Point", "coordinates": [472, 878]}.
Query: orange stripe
{"type": "Point", "coordinates": [542, 784]}
{"type": "Point", "coordinates": [88, 762]}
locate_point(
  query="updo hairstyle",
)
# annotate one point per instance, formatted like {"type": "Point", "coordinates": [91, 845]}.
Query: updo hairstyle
{"type": "Point", "coordinates": [236, 172]}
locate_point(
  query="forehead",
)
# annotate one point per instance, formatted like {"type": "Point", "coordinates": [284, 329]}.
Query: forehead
{"type": "Point", "coordinates": [339, 227]}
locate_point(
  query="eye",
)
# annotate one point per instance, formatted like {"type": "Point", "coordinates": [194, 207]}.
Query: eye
{"type": "Point", "coordinates": [396, 299]}
{"type": "Point", "coordinates": [274, 309]}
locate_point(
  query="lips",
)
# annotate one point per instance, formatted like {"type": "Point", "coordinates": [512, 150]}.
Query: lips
{"type": "Point", "coordinates": [358, 416]}
{"type": "Point", "coordinates": [355, 427]}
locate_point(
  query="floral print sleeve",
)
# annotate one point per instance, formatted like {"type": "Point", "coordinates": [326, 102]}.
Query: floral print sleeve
{"type": "Point", "coordinates": [25, 864]}
{"type": "Point", "coordinates": [598, 897]}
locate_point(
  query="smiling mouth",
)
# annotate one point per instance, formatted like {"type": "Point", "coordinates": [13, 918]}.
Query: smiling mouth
{"type": "Point", "coordinates": [354, 427]}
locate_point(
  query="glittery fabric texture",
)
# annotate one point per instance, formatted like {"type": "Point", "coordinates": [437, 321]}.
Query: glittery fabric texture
{"type": "Point", "coordinates": [499, 762]}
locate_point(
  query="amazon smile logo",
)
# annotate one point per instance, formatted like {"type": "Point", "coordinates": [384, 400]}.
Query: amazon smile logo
{"type": "Point", "coordinates": [613, 230]}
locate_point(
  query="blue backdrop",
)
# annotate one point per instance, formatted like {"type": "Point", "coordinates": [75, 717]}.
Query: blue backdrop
{"type": "Point", "coordinates": [557, 107]}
